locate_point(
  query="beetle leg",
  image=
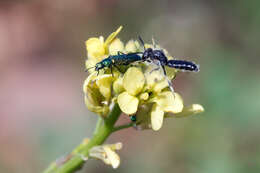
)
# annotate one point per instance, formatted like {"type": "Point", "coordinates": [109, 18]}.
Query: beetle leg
{"type": "Point", "coordinates": [118, 68]}
{"type": "Point", "coordinates": [111, 69]}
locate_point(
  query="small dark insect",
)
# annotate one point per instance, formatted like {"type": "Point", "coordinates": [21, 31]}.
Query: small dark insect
{"type": "Point", "coordinates": [149, 55]}
{"type": "Point", "coordinates": [183, 65]}
{"type": "Point", "coordinates": [159, 56]}
{"type": "Point", "coordinates": [133, 118]}
{"type": "Point", "coordinates": [117, 60]}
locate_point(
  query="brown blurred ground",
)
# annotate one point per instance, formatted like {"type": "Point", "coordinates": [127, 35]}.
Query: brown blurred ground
{"type": "Point", "coordinates": [42, 53]}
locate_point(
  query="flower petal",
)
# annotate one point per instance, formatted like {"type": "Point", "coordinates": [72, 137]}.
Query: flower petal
{"type": "Point", "coordinates": [104, 83]}
{"type": "Point", "coordinates": [131, 46]}
{"type": "Point", "coordinates": [112, 36]}
{"type": "Point", "coordinates": [118, 85]}
{"type": "Point", "coordinates": [160, 85]}
{"type": "Point", "coordinates": [176, 106]}
{"type": "Point", "coordinates": [95, 47]}
{"type": "Point", "coordinates": [112, 157]}
{"type": "Point", "coordinates": [156, 117]}
{"type": "Point", "coordinates": [127, 103]}
{"type": "Point", "coordinates": [116, 146]}
{"type": "Point", "coordinates": [107, 153]}
{"type": "Point", "coordinates": [93, 106]}
{"type": "Point", "coordinates": [169, 102]}
{"type": "Point", "coordinates": [190, 110]}
{"type": "Point", "coordinates": [90, 63]}
{"type": "Point", "coordinates": [116, 46]}
{"type": "Point", "coordinates": [89, 81]}
{"type": "Point", "coordinates": [94, 100]}
{"type": "Point", "coordinates": [133, 80]}
{"type": "Point", "coordinates": [155, 80]}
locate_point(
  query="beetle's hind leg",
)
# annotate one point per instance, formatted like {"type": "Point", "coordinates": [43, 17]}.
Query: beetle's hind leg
{"type": "Point", "coordinates": [118, 68]}
{"type": "Point", "coordinates": [155, 69]}
{"type": "Point", "coordinates": [111, 70]}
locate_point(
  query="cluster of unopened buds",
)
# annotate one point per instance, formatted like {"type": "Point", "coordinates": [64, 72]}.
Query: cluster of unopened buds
{"type": "Point", "coordinates": [139, 90]}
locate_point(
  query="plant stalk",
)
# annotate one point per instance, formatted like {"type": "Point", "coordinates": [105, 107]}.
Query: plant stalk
{"type": "Point", "coordinates": [76, 159]}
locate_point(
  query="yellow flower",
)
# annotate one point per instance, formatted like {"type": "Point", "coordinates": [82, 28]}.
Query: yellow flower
{"type": "Point", "coordinates": [95, 47]}
{"type": "Point", "coordinates": [112, 36]}
{"type": "Point", "coordinates": [133, 82]}
{"type": "Point", "coordinates": [107, 154]}
{"type": "Point", "coordinates": [98, 49]}
{"type": "Point", "coordinates": [169, 102]}
{"type": "Point", "coordinates": [137, 84]}
{"type": "Point", "coordinates": [187, 111]}
{"type": "Point", "coordinates": [164, 102]}
{"type": "Point", "coordinates": [116, 46]}
{"type": "Point", "coordinates": [118, 85]}
{"type": "Point", "coordinates": [156, 115]}
{"type": "Point", "coordinates": [155, 80]}
{"type": "Point", "coordinates": [152, 115]}
{"type": "Point", "coordinates": [97, 91]}
{"type": "Point", "coordinates": [132, 46]}
{"type": "Point", "coordinates": [142, 90]}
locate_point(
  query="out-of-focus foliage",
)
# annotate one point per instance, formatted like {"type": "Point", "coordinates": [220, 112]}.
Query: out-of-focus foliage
{"type": "Point", "coordinates": [42, 112]}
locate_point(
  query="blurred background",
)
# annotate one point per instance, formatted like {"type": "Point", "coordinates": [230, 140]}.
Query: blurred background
{"type": "Point", "coordinates": [42, 54]}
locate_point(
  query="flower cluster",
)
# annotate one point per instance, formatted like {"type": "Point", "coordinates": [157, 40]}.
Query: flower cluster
{"type": "Point", "coordinates": [140, 90]}
{"type": "Point", "coordinates": [107, 153]}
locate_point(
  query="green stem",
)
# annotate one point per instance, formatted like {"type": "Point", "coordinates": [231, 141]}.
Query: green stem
{"type": "Point", "coordinates": [122, 127]}
{"type": "Point", "coordinates": [98, 125]}
{"type": "Point", "coordinates": [76, 159]}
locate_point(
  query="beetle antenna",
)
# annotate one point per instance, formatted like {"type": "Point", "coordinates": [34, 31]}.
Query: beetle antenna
{"type": "Point", "coordinates": [153, 41]}
{"type": "Point", "coordinates": [89, 68]}
{"type": "Point", "coordinates": [141, 40]}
